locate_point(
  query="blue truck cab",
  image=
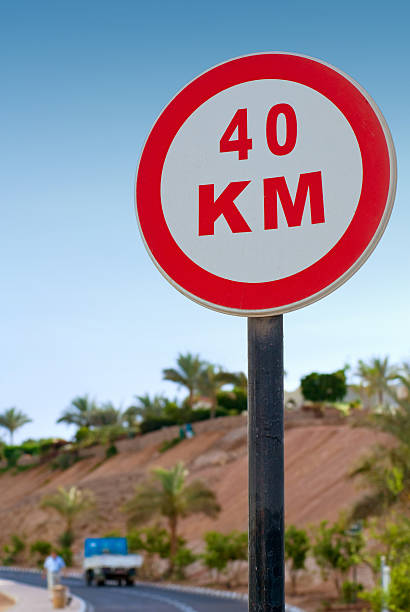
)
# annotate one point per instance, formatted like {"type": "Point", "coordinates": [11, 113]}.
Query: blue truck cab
{"type": "Point", "coordinates": [108, 559]}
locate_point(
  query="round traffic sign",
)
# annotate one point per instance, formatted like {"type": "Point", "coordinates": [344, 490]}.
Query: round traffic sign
{"type": "Point", "coordinates": [265, 184]}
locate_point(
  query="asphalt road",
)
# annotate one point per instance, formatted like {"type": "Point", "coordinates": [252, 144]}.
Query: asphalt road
{"type": "Point", "coordinates": [139, 598]}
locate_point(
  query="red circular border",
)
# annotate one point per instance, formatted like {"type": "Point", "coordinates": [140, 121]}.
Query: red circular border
{"type": "Point", "coordinates": [242, 296]}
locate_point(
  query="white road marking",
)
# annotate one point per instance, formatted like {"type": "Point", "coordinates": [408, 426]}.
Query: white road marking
{"type": "Point", "coordinates": [172, 602]}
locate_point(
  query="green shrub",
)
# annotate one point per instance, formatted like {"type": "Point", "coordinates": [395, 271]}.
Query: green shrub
{"type": "Point", "coordinates": [13, 550]}
{"type": "Point", "coordinates": [336, 550]}
{"type": "Point", "coordinates": [184, 557]}
{"type": "Point", "coordinates": [153, 540]}
{"type": "Point", "coordinates": [399, 591]}
{"type": "Point", "coordinates": [324, 387]}
{"type": "Point", "coordinates": [40, 550]}
{"type": "Point", "coordinates": [167, 444]}
{"type": "Point", "coordinates": [350, 591]}
{"type": "Point", "coordinates": [12, 455]}
{"type": "Point", "coordinates": [235, 401]}
{"type": "Point", "coordinates": [42, 547]}
{"type": "Point", "coordinates": [297, 546]}
{"type": "Point", "coordinates": [203, 414]}
{"type": "Point", "coordinates": [154, 423]}
{"type": "Point", "coordinates": [398, 597]}
{"type": "Point", "coordinates": [30, 448]}
{"type": "Point", "coordinates": [8, 558]}
{"type": "Point", "coordinates": [67, 555]}
{"type": "Point", "coordinates": [111, 451]}
{"type": "Point", "coordinates": [108, 434]}
{"type": "Point", "coordinates": [63, 461]}
{"type": "Point", "coordinates": [18, 544]}
{"type": "Point", "coordinates": [82, 434]}
{"type": "Point", "coordinates": [66, 539]}
{"type": "Point", "coordinates": [223, 549]}
{"type": "Point", "coordinates": [179, 416]}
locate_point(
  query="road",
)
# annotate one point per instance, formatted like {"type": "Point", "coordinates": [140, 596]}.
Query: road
{"type": "Point", "coordinates": [140, 598]}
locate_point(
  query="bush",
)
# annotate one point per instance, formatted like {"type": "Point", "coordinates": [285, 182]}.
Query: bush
{"type": "Point", "coordinates": [67, 555]}
{"type": "Point", "coordinates": [398, 597]}
{"type": "Point", "coordinates": [350, 591]}
{"type": "Point", "coordinates": [82, 434]}
{"type": "Point", "coordinates": [203, 414]}
{"type": "Point", "coordinates": [336, 550]}
{"type": "Point", "coordinates": [63, 461]}
{"type": "Point", "coordinates": [223, 549]}
{"type": "Point", "coordinates": [12, 454]}
{"type": "Point", "coordinates": [154, 542]}
{"type": "Point", "coordinates": [13, 550]}
{"type": "Point", "coordinates": [324, 387]}
{"type": "Point", "coordinates": [40, 549]}
{"type": "Point", "coordinates": [179, 416]}
{"type": "Point", "coordinates": [235, 401]}
{"type": "Point", "coordinates": [111, 451]}
{"type": "Point", "coordinates": [37, 447]}
{"type": "Point", "coordinates": [108, 434]}
{"type": "Point", "coordinates": [182, 559]}
{"type": "Point", "coordinates": [168, 444]}
{"type": "Point", "coordinates": [155, 423]}
{"type": "Point", "coordinates": [66, 539]}
{"type": "Point", "coordinates": [296, 549]}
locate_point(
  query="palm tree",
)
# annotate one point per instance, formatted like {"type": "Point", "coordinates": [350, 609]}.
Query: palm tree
{"type": "Point", "coordinates": [187, 374]}
{"type": "Point", "coordinates": [69, 503]}
{"type": "Point", "coordinates": [12, 419]}
{"type": "Point", "coordinates": [130, 416]}
{"type": "Point", "coordinates": [241, 381]}
{"type": "Point", "coordinates": [147, 406]}
{"type": "Point", "coordinates": [211, 379]}
{"type": "Point", "coordinates": [105, 415]}
{"type": "Point", "coordinates": [80, 412]}
{"type": "Point", "coordinates": [376, 376]}
{"type": "Point", "coordinates": [386, 470]}
{"type": "Point", "coordinates": [168, 495]}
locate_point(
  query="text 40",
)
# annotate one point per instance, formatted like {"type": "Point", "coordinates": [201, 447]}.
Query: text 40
{"type": "Point", "coordinates": [242, 144]}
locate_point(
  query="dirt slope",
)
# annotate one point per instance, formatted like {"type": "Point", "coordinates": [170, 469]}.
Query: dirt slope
{"type": "Point", "coordinates": [318, 458]}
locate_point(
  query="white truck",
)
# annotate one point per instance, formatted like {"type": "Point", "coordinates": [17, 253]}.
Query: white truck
{"type": "Point", "coordinates": [108, 559]}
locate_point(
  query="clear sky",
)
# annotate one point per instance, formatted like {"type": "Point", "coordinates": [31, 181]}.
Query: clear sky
{"type": "Point", "coordinates": [83, 309]}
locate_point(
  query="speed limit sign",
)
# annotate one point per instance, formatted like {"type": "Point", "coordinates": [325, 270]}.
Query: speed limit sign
{"type": "Point", "coordinates": [262, 187]}
{"type": "Point", "coordinates": [265, 184]}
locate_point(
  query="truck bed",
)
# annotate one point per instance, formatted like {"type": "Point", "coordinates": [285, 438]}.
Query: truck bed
{"type": "Point", "coordinates": [112, 561]}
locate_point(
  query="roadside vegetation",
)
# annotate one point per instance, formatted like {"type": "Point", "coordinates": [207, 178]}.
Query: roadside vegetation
{"type": "Point", "coordinates": [377, 396]}
{"type": "Point", "coordinates": [104, 423]}
{"type": "Point", "coordinates": [69, 504]}
{"type": "Point", "coordinates": [169, 496]}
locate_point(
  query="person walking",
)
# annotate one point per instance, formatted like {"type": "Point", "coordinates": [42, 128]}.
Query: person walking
{"type": "Point", "coordinates": [189, 432]}
{"type": "Point", "coordinates": [53, 566]}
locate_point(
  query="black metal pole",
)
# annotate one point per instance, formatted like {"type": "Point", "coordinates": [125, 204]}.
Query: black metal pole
{"type": "Point", "coordinates": [266, 465]}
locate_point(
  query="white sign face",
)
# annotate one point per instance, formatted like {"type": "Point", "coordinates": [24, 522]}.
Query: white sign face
{"type": "Point", "coordinates": [265, 184]}
{"type": "Point", "coordinates": [320, 125]}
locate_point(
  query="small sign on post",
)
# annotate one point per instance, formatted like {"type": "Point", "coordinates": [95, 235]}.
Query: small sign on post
{"type": "Point", "coordinates": [262, 187]}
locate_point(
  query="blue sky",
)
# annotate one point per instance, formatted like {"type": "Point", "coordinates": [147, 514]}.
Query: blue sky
{"type": "Point", "coordinates": [83, 309]}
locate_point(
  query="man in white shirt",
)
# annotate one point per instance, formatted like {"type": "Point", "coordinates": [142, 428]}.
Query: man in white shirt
{"type": "Point", "coordinates": [52, 567]}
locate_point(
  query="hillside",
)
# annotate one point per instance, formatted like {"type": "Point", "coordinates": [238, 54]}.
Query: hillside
{"type": "Point", "coordinates": [319, 454]}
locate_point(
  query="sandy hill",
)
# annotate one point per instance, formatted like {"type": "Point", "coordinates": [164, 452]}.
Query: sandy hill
{"type": "Point", "coordinates": [319, 455]}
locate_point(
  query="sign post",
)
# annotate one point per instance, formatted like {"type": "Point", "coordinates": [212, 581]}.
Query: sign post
{"type": "Point", "coordinates": [266, 464]}
{"type": "Point", "coordinates": [262, 187]}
